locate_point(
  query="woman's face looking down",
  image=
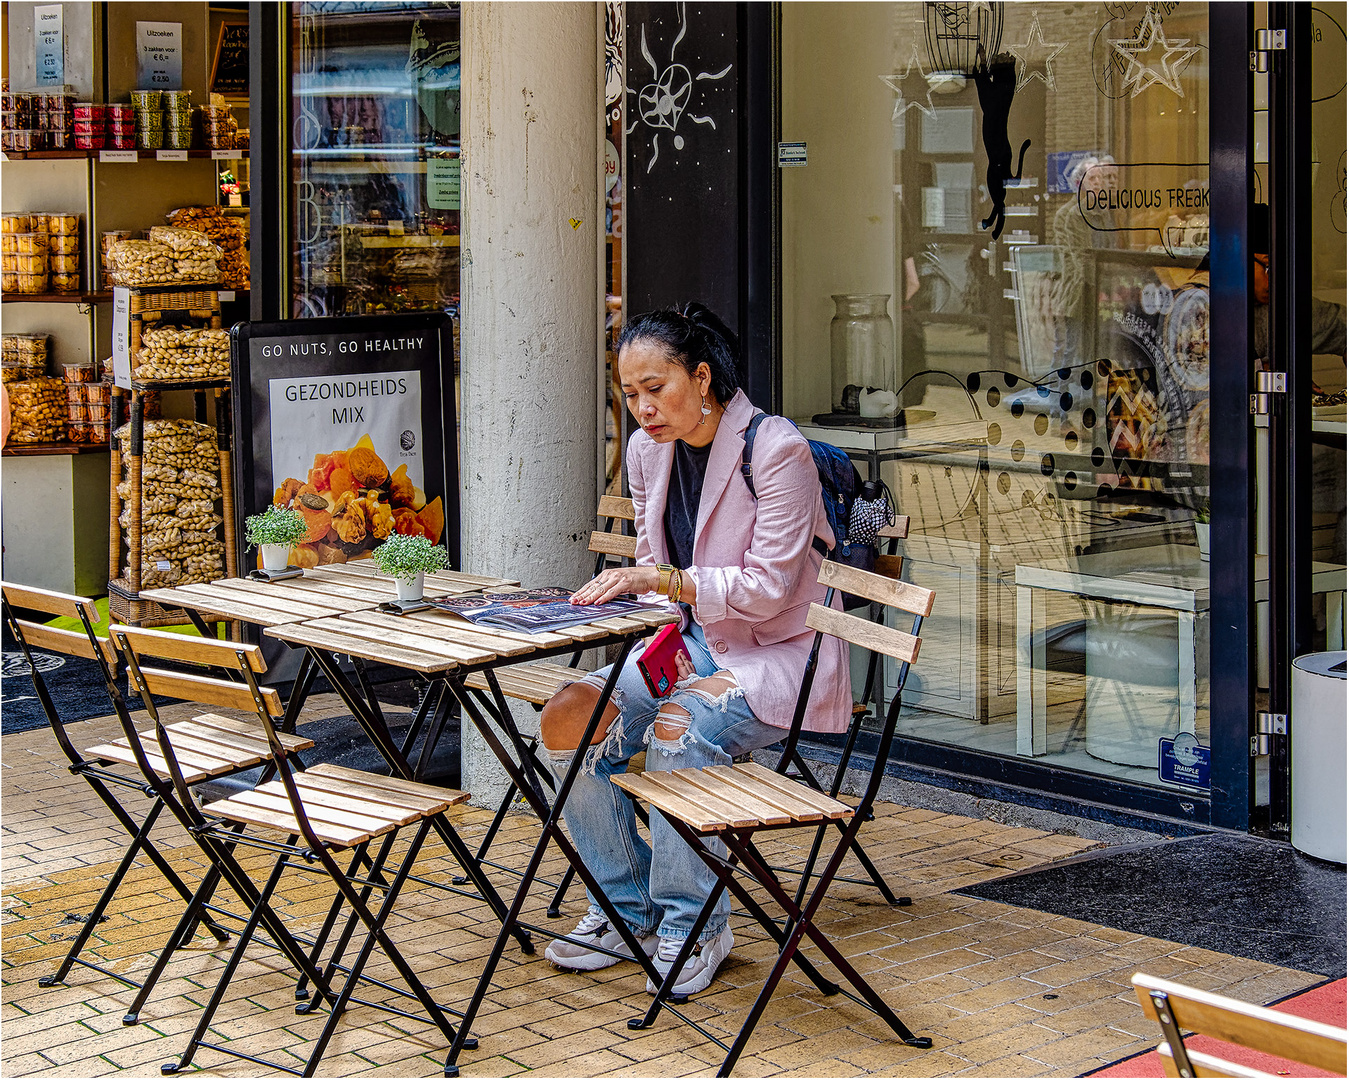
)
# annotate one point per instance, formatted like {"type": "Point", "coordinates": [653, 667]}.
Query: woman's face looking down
{"type": "Point", "coordinates": [663, 397]}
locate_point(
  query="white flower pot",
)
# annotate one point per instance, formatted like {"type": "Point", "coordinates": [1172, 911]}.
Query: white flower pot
{"type": "Point", "coordinates": [1201, 536]}
{"type": "Point", "coordinates": [410, 588]}
{"type": "Point", "coordinates": [275, 556]}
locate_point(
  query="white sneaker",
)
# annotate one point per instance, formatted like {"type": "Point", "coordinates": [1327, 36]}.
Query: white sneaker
{"type": "Point", "coordinates": [699, 969]}
{"type": "Point", "coordinates": [595, 927]}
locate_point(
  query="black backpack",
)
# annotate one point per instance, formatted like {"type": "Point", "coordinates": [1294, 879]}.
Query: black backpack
{"type": "Point", "coordinates": [855, 509]}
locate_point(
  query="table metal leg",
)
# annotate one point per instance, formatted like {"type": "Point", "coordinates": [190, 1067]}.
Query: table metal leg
{"type": "Point", "coordinates": [552, 833]}
{"type": "Point", "coordinates": [378, 733]}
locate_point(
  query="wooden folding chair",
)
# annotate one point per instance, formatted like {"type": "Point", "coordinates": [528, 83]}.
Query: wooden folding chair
{"type": "Point", "coordinates": [537, 682]}
{"type": "Point", "coordinates": [98, 765]}
{"type": "Point", "coordinates": [733, 803]}
{"type": "Point", "coordinates": [1178, 1008]}
{"type": "Point", "coordinates": [321, 812]}
{"type": "Point", "coordinates": [890, 564]}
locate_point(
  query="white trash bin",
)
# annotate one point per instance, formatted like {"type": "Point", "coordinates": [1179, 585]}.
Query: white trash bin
{"type": "Point", "coordinates": [1317, 729]}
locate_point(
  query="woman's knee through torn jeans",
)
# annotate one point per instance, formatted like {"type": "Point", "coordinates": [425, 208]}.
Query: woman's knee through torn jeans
{"type": "Point", "coordinates": [666, 893]}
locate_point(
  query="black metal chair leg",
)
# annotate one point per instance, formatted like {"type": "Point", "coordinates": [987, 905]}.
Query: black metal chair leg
{"type": "Point", "coordinates": [231, 966]}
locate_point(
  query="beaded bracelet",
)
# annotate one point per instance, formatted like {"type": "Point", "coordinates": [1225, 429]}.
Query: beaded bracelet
{"type": "Point", "coordinates": [676, 586]}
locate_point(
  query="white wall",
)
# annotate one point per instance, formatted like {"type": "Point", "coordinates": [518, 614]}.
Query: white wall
{"type": "Point", "coordinates": [838, 211]}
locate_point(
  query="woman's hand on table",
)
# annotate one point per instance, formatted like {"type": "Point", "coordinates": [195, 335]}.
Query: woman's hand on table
{"type": "Point", "coordinates": [617, 581]}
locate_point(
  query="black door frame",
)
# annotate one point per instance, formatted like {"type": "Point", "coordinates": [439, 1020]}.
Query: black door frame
{"type": "Point", "coordinates": [1290, 494]}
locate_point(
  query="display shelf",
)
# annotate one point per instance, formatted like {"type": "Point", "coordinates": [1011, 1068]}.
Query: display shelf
{"type": "Point", "coordinates": [222, 383]}
{"type": "Point", "coordinates": [413, 240]}
{"type": "Point", "coordinates": [141, 155]}
{"type": "Point", "coordinates": [53, 449]}
{"type": "Point", "coordinates": [57, 298]}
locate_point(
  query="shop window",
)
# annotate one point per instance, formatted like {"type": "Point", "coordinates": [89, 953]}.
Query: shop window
{"type": "Point", "coordinates": [1028, 184]}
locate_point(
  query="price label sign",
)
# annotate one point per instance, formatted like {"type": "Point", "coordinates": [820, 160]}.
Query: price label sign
{"type": "Point", "coordinates": [442, 183]}
{"type": "Point", "coordinates": [49, 39]}
{"type": "Point", "coordinates": [159, 55]}
{"type": "Point", "coordinates": [121, 337]}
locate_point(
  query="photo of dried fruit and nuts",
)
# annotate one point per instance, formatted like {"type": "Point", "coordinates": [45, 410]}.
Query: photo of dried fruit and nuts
{"type": "Point", "coordinates": [351, 502]}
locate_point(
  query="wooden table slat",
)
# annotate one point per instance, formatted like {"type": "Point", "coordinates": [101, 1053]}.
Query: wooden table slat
{"type": "Point", "coordinates": [459, 623]}
{"type": "Point", "coordinates": [441, 630]}
{"type": "Point", "coordinates": [214, 604]}
{"type": "Point", "coordinates": [329, 601]}
{"type": "Point", "coordinates": [369, 641]}
{"type": "Point", "coordinates": [305, 634]}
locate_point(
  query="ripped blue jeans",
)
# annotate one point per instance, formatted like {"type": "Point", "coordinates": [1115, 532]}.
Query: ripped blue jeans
{"type": "Point", "coordinates": [661, 895]}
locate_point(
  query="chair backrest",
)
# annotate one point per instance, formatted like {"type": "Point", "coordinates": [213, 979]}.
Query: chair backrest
{"type": "Point", "coordinates": [607, 543]}
{"type": "Point", "coordinates": [888, 562]}
{"type": "Point", "coordinates": [241, 662]}
{"type": "Point", "coordinates": [139, 645]}
{"type": "Point", "coordinates": [83, 643]}
{"type": "Point", "coordinates": [1178, 1008]}
{"type": "Point", "coordinates": [876, 637]}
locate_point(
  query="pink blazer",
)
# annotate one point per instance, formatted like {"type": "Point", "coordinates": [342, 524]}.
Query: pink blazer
{"type": "Point", "coordinates": [753, 563]}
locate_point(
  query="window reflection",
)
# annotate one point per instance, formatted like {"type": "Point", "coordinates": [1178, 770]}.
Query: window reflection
{"type": "Point", "coordinates": [1051, 333]}
{"type": "Point", "coordinates": [375, 157]}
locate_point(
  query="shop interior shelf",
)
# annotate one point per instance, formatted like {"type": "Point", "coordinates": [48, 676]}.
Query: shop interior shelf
{"type": "Point", "coordinates": [181, 384]}
{"type": "Point", "coordinates": [52, 449]}
{"type": "Point", "coordinates": [143, 155]}
{"type": "Point", "coordinates": [58, 298]}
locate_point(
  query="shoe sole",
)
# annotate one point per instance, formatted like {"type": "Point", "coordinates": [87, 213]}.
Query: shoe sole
{"type": "Point", "coordinates": [593, 962]}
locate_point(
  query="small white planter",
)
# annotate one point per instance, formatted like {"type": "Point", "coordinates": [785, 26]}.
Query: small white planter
{"type": "Point", "coordinates": [1201, 536]}
{"type": "Point", "coordinates": [275, 556]}
{"type": "Point", "coordinates": [410, 588]}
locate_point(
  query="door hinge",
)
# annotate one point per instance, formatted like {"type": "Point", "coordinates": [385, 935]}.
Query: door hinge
{"type": "Point", "coordinates": [1266, 383]}
{"type": "Point", "coordinates": [1266, 42]}
{"type": "Point", "coordinates": [1271, 723]}
{"type": "Point", "coordinates": [1267, 724]}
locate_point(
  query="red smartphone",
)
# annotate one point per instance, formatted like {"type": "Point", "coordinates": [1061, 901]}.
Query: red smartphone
{"type": "Point", "coordinates": [657, 663]}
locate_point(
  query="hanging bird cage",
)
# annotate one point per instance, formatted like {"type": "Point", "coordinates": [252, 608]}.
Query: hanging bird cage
{"type": "Point", "coordinates": [956, 30]}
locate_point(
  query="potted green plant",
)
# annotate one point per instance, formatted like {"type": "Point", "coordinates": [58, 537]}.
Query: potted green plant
{"type": "Point", "coordinates": [407, 559]}
{"type": "Point", "coordinates": [275, 531]}
{"type": "Point", "coordinates": [1201, 523]}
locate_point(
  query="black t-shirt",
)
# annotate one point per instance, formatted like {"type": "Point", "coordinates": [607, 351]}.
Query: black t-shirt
{"type": "Point", "coordinates": [681, 506]}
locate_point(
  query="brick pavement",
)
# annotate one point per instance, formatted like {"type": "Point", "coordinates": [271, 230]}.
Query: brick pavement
{"type": "Point", "coordinates": [1002, 991]}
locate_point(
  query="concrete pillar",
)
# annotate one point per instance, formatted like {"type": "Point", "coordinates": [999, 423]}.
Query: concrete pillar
{"type": "Point", "coordinates": [533, 215]}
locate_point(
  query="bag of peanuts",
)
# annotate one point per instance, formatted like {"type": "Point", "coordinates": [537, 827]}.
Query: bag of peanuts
{"type": "Point", "coordinates": [186, 354]}
{"type": "Point", "coordinates": [37, 411]}
{"type": "Point", "coordinates": [140, 262]}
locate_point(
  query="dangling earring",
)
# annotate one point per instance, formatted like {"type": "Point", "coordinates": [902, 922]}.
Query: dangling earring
{"type": "Point", "coordinates": [707, 411]}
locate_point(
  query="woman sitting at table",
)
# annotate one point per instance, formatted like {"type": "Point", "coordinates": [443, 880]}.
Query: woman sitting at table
{"type": "Point", "coordinates": [743, 572]}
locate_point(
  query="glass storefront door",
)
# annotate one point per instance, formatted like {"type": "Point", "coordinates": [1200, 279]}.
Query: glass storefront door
{"type": "Point", "coordinates": [1028, 186]}
{"type": "Point", "coordinates": [374, 158]}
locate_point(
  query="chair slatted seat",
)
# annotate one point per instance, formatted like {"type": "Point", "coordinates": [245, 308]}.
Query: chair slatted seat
{"type": "Point", "coordinates": [733, 803]}
{"type": "Point", "coordinates": [208, 745]}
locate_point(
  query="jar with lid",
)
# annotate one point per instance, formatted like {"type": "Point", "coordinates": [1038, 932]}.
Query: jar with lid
{"type": "Point", "coordinates": [861, 345]}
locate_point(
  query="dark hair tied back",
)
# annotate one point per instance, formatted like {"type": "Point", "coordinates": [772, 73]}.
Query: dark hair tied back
{"type": "Point", "coordinates": [690, 336]}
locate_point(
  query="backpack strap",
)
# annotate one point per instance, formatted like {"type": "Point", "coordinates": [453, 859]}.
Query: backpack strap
{"type": "Point", "coordinates": [747, 457]}
{"type": "Point", "coordinates": [747, 471]}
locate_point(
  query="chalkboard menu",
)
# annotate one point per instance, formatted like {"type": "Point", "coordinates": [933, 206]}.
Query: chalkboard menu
{"type": "Point", "coordinates": [350, 421]}
{"type": "Point", "coordinates": [229, 70]}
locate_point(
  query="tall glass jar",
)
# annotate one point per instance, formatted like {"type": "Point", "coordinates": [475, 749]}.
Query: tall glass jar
{"type": "Point", "coordinates": [861, 345]}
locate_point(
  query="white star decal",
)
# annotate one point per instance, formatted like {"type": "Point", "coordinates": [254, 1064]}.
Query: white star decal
{"type": "Point", "coordinates": [1035, 56]}
{"type": "Point", "coordinates": [1143, 71]}
{"type": "Point", "coordinates": [896, 83]}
